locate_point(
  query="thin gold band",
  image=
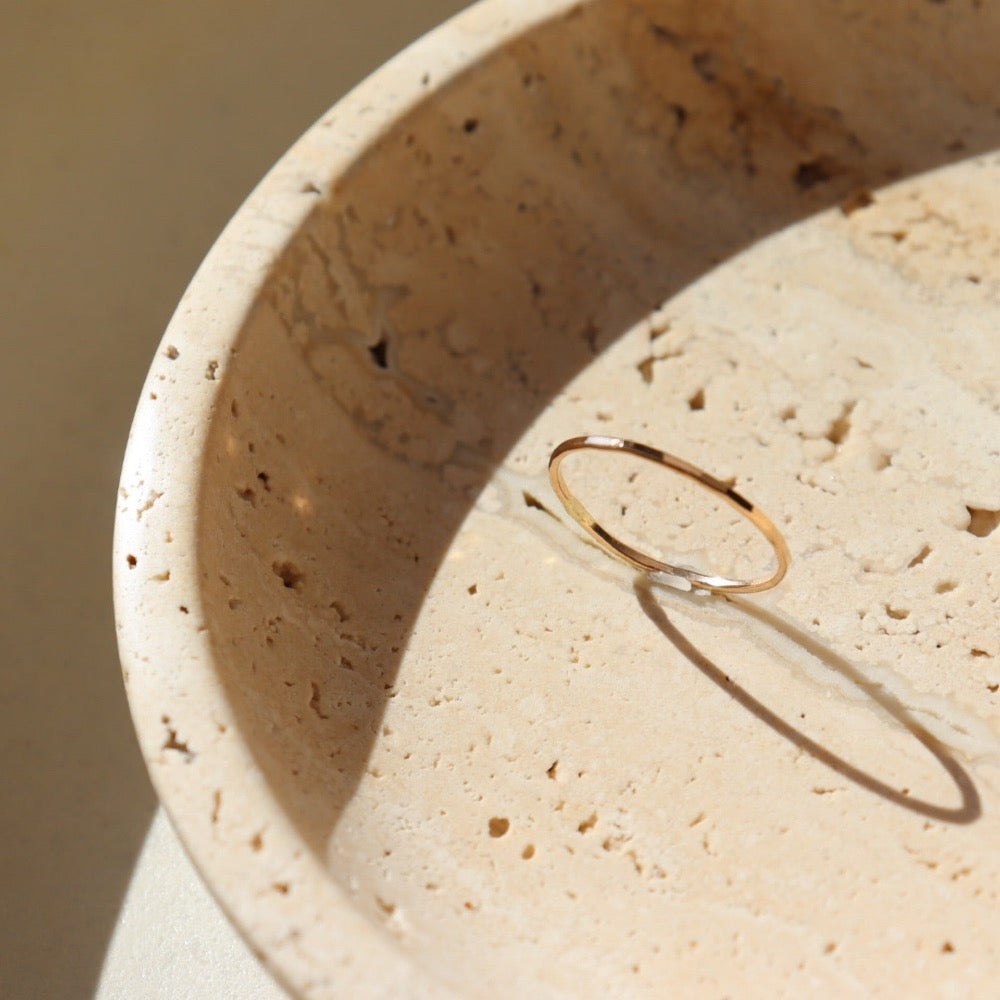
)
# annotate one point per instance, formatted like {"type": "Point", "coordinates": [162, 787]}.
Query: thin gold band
{"type": "Point", "coordinates": [681, 577]}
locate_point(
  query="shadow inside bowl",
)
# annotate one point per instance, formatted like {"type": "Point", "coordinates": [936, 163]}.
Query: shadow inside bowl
{"type": "Point", "coordinates": [479, 255]}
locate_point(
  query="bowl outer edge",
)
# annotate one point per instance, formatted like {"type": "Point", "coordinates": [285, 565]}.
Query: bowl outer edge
{"type": "Point", "coordinates": [310, 936]}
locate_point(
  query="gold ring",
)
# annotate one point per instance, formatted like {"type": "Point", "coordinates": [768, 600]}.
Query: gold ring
{"type": "Point", "coordinates": [680, 577]}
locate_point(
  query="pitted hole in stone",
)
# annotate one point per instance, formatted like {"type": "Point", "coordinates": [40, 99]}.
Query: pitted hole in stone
{"type": "Point", "coordinates": [498, 826]}
{"type": "Point", "coordinates": [945, 587]}
{"type": "Point", "coordinates": [132, 561]}
{"type": "Point", "coordinates": [856, 200]}
{"type": "Point", "coordinates": [172, 353]}
{"type": "Point", "coordinates": [529, 852]}
{"type": "Point", "coordinates": [919, 557]}
{"type": "Point", "coordinates": [810, 173]}
{"type": "Point", "coordinates": [314, 699]}
{"type": "Point", "coordinates": [664, 34]}
{"type": "Point", "coordinates": [982, 522]}
{"type": "Point", "coordinates": [841, 426]}
{"type": "Point", "coordinates": [290, 575]}
{"type": "Point", "coordinates": [788, 413]}
{"type": "Point", "coordinates": [645, 369]}
{"type": "Point", "coordinates": [530, 500]}
{"type": "Point", "coordinates": [697, 401]}
{"type": "Point", "coordinates": [380, 353]}
{"type": "Point", "coordinates": [899, 614]}
{"type": "Point", "coordinates": [705, 64]}
{"type": "Point", "coordinates": [173, 743]}
{"type": "Point", "coordinates": [587, 824]}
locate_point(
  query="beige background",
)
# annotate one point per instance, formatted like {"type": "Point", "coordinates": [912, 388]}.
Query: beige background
{"type": "Point", "coordinates": [130, 134]}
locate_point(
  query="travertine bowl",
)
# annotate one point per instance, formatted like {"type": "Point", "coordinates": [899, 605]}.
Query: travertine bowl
{"type": "Point", "coordinates": [420, 737]}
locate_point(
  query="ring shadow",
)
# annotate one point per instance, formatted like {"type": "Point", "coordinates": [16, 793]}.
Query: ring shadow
{"type": "Point", "coordinates": [641, 204]}
{"type": "Point", "coordinates": [967, 812]}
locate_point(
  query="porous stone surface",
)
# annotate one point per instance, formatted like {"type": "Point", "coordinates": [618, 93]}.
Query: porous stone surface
{"type": "Point", "coordinates": [421, 736]}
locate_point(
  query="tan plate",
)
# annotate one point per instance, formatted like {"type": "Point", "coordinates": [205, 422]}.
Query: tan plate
{"type": "Point", "coordinates": [419, 736]}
